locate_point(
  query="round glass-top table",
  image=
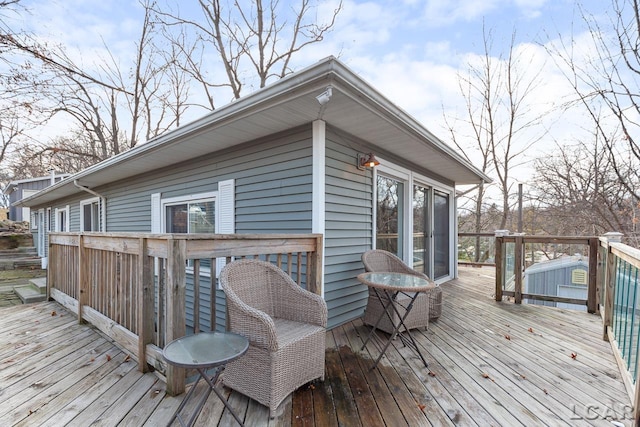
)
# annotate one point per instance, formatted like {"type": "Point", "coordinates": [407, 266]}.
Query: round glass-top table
{"type": "Point", "coordinates": [386, 286]}
{"type": "Point", "coordinates": [397, 282]}
{"type": "Point", "coordinates": [204, 351]}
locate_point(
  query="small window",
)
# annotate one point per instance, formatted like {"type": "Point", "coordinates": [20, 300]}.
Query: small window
{"type": "Point", "coordinates": [90, 215]}
{"type": "Point", "coordinates": [62, 219]}
{"type": "Point", "coordinates": [191, 215]}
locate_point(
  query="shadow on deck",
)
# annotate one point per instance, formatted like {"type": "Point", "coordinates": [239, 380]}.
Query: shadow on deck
{"type": "Point", "coordinates": [489, 364]}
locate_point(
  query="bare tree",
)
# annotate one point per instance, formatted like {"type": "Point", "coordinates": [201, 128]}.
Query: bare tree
{"type": "Point", "coordinates": [262, 36]}
{"type": "Point", "coordinates": [605, 77]}
{"type": "Point", "coordinates": [581, 194]}
{"type": "Point", "coordinates": [500, 123]}
{"type": "Point", "coordinates": [147, 100]}
{"type": "Point", "coordinates": [116, 105]}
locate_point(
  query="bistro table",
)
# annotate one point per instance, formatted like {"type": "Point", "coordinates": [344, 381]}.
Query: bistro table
{"type": "Point", "coordinates": [205, 351]}
{"type": "Point", "coordinates": [390, 285]}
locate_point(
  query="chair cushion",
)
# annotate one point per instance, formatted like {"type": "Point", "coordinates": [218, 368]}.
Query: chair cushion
{"type": "Point", "coordinates": [289, 331]}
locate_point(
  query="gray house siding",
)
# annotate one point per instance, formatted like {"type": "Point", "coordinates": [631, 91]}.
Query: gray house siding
{"type": "Point", "coordinates": [547, 278]}
{"type": "Point", "coordinates": [273, 178]}
{"type": "Point", "coordinates": [348, 230]}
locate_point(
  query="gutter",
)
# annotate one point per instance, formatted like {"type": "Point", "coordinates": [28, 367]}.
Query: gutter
{"type": "Point", "coordinates": [102, 206]}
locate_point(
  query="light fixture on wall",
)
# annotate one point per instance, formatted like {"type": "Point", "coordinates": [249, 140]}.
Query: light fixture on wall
{"type": "Point", "coordinates": [367, 161]}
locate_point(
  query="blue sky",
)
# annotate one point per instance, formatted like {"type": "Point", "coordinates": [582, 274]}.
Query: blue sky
{"type": "Point", "coordinates": [411, 50]}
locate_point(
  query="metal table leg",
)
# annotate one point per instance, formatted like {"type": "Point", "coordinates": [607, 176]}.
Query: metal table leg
{"type": "Point", "coordinates": [211, 381]}
{"type": "Point", "coordinates": [411, 342]}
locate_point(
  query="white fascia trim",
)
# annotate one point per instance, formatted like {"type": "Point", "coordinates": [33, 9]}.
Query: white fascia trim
{"type": "Point", "coordinates": [318, 161]}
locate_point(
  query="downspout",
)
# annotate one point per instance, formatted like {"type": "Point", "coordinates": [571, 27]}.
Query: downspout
{"type": "Point", "coordinates": [103, 204]}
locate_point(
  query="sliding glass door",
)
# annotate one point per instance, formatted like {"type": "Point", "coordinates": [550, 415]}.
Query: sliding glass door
{"type": "Point", "coordinates": [441, 234]}
{"type": "Point", "coordinates": [389, 215]}
{"type": "Point", "coordinates": [422, 229]}
{"type": "Point", "coordinates": [414, 220]}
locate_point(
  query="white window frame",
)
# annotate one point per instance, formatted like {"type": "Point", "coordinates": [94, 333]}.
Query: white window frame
{"type": "Point", "coordinates": [91, 201]}
{"type": "Point", "coordinates": [224, 202]}
{"type": "Point", "coordinates": [58, 213]}
{"type": "Point", "coordinates": [192, 198]}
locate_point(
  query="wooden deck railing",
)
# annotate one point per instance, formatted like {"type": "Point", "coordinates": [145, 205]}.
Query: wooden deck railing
{"type": "Point", "coordinates": [613, 289]}
{"type": "Point", "coordinates": [137, 288]}
{"type": "Point", "coordinates": [620, 280]}
{"type": "Point", "coordinates": [515, 244]}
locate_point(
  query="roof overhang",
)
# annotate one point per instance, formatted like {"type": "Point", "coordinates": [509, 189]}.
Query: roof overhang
{"type": "Point", "coordinates": [355, 107]}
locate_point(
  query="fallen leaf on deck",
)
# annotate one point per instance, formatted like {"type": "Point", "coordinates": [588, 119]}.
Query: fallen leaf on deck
{"type": "Point", "coordinates": [53, 313]}
{"type": "Point", "coordinates": [421, 406]}
{"type": "Point", "coordinates": [531, 330]}
{"type": "Point", "coordinates": [574, 355]}
{"type": "Point", "coordinates": [127, 358]}
{"type": "Point", "coordinates": [485, 375]}
{"type": "Point", "coordinates": [432, 374]}
{"type": "Point", "coordinates": [108, 358]}
{"type": "Point", "coordinates": [508, 337]}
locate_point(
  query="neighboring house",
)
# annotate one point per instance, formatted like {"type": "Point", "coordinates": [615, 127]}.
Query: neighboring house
{"type": "Point", "coordinates": [567, 276]}
{"type": "Point", "coordinates": [24, 188]}
{"type": "Point", "coordinates": [285, 160]}
{"type": "Point", "coordinates": [21, 189]}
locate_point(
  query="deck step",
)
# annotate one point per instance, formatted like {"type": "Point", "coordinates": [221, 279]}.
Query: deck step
{"type": "Point", "coordinates": [21, 264]}
{"type": "Point", "coordinates": [30, 293]}
{"type": "Point", "coordinates": [39, 283]}
{"type": "Point", "coordinates": [22, 252]}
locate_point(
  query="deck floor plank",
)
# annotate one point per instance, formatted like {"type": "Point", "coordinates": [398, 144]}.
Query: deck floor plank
{"type": "Point", "coordinates": [54, 371]}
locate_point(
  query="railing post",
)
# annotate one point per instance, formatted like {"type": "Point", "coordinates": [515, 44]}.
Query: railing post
{"type": "Point", "coordinates": [175, 318]}
{"type": "Point", "coordinates": [314, 268]}
{"type": "Point", "coordinates": [146, 317]}
{"type": "Point", "coordinates": [518, 268]}
{"type": "Point", "coordinates": [593, 282]}
{"type": "Point", "coordinates": [499, 264]}
{"type": "Point", "coordinates": [83, 276]}
{"type": "Point", "coordinates": [610, 283]}
{"type": "Point", "coordinates": [52, 268]}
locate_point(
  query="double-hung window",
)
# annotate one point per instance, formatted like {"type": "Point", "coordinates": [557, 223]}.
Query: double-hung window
{"type": "Point", "coordinates": [62, 219]}
{"type": "Point", "coordinates": [90, 215]}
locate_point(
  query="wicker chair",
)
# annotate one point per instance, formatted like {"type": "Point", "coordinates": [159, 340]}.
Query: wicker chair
{"type": "Point", "coordinates": [428, 305]}
{"type": "Point", "coordinates": [286, 328]}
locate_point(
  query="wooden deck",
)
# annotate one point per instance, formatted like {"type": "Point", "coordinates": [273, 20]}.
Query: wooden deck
{"type": "Point", "coordinates": [490, 364]}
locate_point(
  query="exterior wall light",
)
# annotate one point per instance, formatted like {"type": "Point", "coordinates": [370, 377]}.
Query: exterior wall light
{"type": "Point", "coordinates": [325, 96]}
{"type": "Point", "coordinates": [367, 161]}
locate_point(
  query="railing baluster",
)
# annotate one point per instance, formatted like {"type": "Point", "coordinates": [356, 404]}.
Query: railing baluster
{"type": "Point", "coordinates": [196, 296]}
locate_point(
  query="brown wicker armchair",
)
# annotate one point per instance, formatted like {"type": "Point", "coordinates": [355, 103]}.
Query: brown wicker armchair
{"type": "Point", "coordinates": [428, 306]}
{"type": "Point", "coordinates": [286, 328]}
